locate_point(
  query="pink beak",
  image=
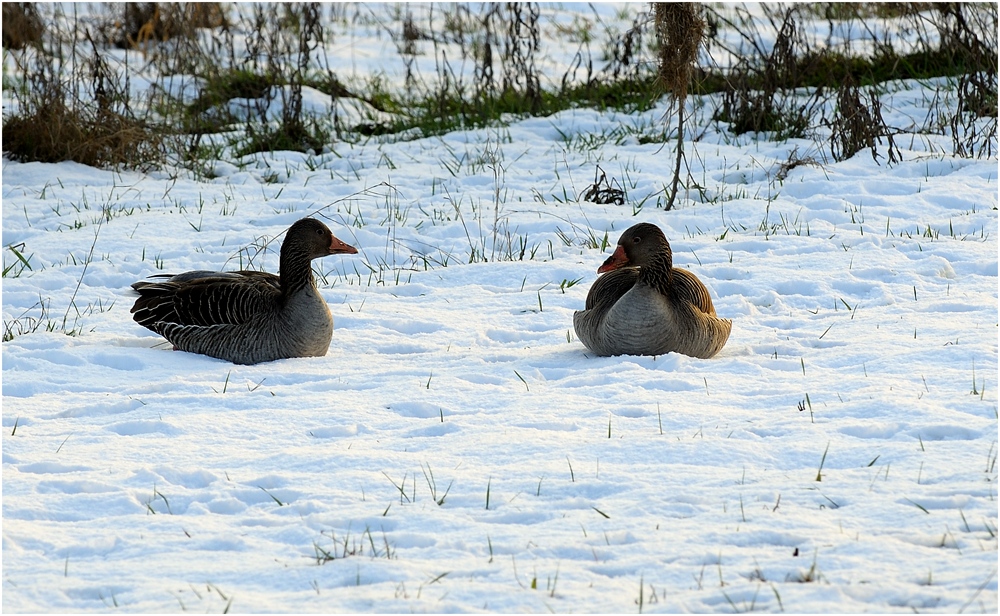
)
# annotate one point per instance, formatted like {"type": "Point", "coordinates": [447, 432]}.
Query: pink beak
{"type": "Point", "coordinates": [339, 247]}
{"type": "Point", "coordinates": [615, 261]}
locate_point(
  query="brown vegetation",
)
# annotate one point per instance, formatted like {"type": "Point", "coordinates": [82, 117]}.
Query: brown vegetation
{"type": "Point", "coordinates": [679, 30]}
{"type": "Point", "coordinates": [80, 108]}
{"type": "Point", "coordinates": [22, 26]}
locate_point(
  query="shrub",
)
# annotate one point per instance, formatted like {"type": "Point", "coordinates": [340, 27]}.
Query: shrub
{"type": "Point", "coordinates": [22, 25]}
{"type": "Point", "coordinates": [88, 121]}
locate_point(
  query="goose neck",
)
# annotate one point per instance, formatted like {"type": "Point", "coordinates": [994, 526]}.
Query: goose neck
{"type": "Point", "coordinates": [295, 270]}
{"type": "Point", "coordinates": [658, 272]}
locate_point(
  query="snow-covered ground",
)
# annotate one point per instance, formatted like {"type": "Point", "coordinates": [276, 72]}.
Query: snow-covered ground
{"type": "Point", "coordinates": [458, 449]}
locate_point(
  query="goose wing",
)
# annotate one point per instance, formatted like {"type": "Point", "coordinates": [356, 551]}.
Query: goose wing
{"type": "Point", "coordinates": [205, 298]}
{"type": "Point", "coordinates": [687, 288]}
{"type": "Point", "coordinates": [610, 287]}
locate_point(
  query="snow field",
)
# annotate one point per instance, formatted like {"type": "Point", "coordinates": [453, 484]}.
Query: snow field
{"type": "Point", "coordinates": [458, 449]}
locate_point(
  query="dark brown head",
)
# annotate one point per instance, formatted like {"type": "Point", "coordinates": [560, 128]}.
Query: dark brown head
{"type": "Point", "coordinates": [640, 245]}
{"type": "Point", "coordinates": [311, 237]}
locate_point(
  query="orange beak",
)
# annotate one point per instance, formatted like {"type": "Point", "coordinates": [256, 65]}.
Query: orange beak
{"type": "Point", "coordinates": [615, 261]}
{"type": "Point", "coordinates": [339, 247]}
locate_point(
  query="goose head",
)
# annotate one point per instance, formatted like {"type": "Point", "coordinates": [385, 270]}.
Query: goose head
{"type": "Point", "coordinates": [640, 246]}
{"type": "Point", "coordinates": [306, 240]}
{"type": "Point", "coordinates": [314, 239]}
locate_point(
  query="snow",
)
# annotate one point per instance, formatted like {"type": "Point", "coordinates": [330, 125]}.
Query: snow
{"type": "Point", "coordinates": [458, 449]}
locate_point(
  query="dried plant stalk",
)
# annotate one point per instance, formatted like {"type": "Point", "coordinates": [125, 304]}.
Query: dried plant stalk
{"type": "Point", "coordinates": [680, 30]}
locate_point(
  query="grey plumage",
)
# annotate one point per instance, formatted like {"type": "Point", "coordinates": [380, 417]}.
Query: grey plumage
{"type": "Point", "coordinates": [643, 305]}
{"type": "Point", "coordinates": [247, 317]}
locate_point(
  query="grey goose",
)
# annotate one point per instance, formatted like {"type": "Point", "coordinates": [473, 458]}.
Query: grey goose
{"type": "Point", "coordinates": [247, 317]}
{"type": "Point", "coordinates": [643, 305]}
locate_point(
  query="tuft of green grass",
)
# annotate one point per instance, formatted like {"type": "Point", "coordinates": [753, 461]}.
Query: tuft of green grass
{"type": "Point", "coordinates": [22, 261]}
{"type": "Point", "coordinates": [273, 497]}
{"type": "Point", "coordinates": [348, 545]}
{"type": "Point", "coordinates": [819, 471]}
{"type": "Point", "coordinates": [400, 487]}
{"type": "Point", "coordinates": [432, 485]}
{"type": "Point", "coordinates": [975, 391]}
{"type": "Point", "coordinates": [566, 283]}
{"type": "Point", "coordinates": [522, 380]}
{"type": "Point", "coordinates": [157, 495]}
{"type": "Point", "coordinates": [225, 384]}
{"type": "Point", "coordinates": [918, 505]}
{"type": "Point", "coordinates": [812, 575]}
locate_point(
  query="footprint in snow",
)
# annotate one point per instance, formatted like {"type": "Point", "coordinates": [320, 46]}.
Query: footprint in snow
{"type": "Point", "coordinates": [135, 428]}
{"type": "Point", "coordinates": [118, 362]}
{"type": "Point", "coordinates": [418, 409]}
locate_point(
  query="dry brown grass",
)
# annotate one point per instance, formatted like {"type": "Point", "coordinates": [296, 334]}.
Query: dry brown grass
{"type": "Point", "coordinates": [859, 125]}
{"type": "Point", "coordinates": [76, 108]}
{"type": "Point", "coordinates": [54, 132]}
{"type": "Point", "coordinates": [90, 122]}
{"type": "Point", "coordinates": [139, 24]}
{"type": "Point", "coordinates": [680, 29]}
{"type": "Point", "coordinates": [22, 25]}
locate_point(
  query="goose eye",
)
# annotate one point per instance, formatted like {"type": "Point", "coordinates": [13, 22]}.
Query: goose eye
{"type": "Point", "coordinates": [636, 239]}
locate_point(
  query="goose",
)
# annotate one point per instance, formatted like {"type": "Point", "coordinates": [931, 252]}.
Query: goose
{"type": "Point", "coordinates": [643, 305]}
{"type": "Point", "coordinates": [247, 317]}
